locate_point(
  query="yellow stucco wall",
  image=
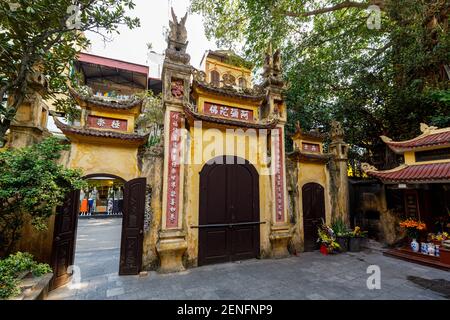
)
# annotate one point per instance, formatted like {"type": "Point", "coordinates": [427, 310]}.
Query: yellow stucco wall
{"type": "Point", "coordinates": [205, 140]}
{"type": "Point", "coordinates": [95, 158]}
{"type": "Point", "coordinates": [311, 173]}
{"type": "Point", "coordinates": [410, 158]}
{"type": "Point", "coordinates": [223, 68]}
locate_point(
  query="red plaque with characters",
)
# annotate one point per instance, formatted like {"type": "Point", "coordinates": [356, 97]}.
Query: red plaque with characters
{"type": "Point", "coordinates": [107, 123]}
{"type": "Point", "coordinates": [279, 176]}
{"type": "Point", "coordinates": [227, 112]}
{"type": "Point", "coordinates": [173, 178]}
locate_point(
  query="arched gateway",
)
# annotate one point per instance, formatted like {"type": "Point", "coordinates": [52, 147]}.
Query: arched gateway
{"type": "Point", "coordinates": [64, 241]}
{"type": "Point", "coordinates": [313, 213]}
{"type": "Point", "coordinates": [229, 211]}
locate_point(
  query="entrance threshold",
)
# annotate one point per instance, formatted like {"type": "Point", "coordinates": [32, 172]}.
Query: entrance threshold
{"type": "Point", "coordinates": [100, 216]}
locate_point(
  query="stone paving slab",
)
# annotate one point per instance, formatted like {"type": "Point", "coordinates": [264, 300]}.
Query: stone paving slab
{"type": "Point", "coordinates": [308, 276]}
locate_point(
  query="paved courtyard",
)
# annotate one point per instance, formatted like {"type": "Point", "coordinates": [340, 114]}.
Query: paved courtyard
{"type": "Point", "coordinates": [309, 276]}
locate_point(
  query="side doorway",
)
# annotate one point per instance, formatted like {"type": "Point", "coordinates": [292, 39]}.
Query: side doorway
{"type": "Point", "coordinates": [66, 221]}
{"type": "Point", "coordinates": [313, 199]}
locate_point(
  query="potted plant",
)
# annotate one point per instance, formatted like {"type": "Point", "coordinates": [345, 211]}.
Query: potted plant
{"type": "Point", "coordinates": [342, 234]}
{"type": "Point", "coordinates": [438, 238]}
{"type": "Point", "coordinates": [356, 237]}
{"type": "Point", "coordinates": [413, 228]}
{"type": "Point", "coordinates": [327, 240]}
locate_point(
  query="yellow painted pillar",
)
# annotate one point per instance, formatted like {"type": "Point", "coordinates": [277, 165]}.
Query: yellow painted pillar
{"type": "Point", "coordinates": [280, 231]}
{"type": "Point", "coordinates": [176, 76]}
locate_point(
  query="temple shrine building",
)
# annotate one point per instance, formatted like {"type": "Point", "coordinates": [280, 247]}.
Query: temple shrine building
{"type": "Point", "coordinates": [218, 184]}
{"type": "Point", "coordinates": [419, 188]}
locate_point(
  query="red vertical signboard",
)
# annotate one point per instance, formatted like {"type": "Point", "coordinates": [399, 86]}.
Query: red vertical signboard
{"type": "Point", "coordinates": [279, 176]}
{"type": "Point", "coordinates": [173, 178]}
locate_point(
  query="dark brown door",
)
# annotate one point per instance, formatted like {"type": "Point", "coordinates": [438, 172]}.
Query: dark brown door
{"type": "Point", "coordinates": [63, 251]}
{"type": "Point", "coordinates": [229, 213]}
{"type": "Point", "coordinates": [313, 213]}
{"type": "Point", "coordinates": [132, 227]}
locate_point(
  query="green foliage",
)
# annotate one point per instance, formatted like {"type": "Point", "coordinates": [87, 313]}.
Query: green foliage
{"type": "Point", "coordinates": [45, 36]}
{"type": "Point", "coordinates": [152, 118]}
{"type": "Point", "coordinates": [12, 267]}
{"type": "Point", "coordinates": [340, 228]}
{"type": "Point", "coordinates": [375, 81]}
{"type": "Point", "coordinates": [327, 237]}
{"type": "Point", "coordinates": [358, 233]}
{"type": "Point", "coordinates": [32, 184]}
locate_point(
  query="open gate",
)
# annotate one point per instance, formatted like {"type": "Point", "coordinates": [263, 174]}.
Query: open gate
{"type": "Point", "coordinates": [66, 220]}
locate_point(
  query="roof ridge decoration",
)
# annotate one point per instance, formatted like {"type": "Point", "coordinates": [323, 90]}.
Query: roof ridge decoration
{"type": "Point", "coordinates": [312, 134]}
{"type": "Point", "coordinates": [424, 128]}
{"type": "Point", "coordinates": [417, 173]}
{"type": "Point", "coordinates": [272, 69]}
{"type": "Point", "coordinates": [298, 155]}
{"type": "Point", "coordinates": [431, 136]}
{"type": "Point", "coordinates": [177, 39]}
{"type": "Point", "coordinates": [367, 167]}
{"type": "Point", "coordinates": [87, 97]}
{"type": "Point", "coordinates": [255, 93]}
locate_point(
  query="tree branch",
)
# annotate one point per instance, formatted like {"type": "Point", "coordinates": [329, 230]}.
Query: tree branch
{"type": "Point", "coordinates": [337, 7]}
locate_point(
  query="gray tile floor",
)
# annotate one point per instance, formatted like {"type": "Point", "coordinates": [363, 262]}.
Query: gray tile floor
{"type": "Point", "coordinates": [310, 276]}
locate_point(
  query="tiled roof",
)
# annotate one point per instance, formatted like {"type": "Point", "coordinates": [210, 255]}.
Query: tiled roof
{"type": "Point", "coordinates": [433, 139]}
{"type": "Point", "coordinates": [100, 133]}
{"type": "Point", "coordinates": [300, 156]}
{"type": "Point", "coordinates": [435, 172]}
{"type": "Point", "coordinates": [246, 94]}
{"type": "Point", "coordinates": [309, 135]}
{"type": "Point", "coordinates": [100, 103]}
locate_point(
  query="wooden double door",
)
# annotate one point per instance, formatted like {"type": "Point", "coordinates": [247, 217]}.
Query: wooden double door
{"type": "Point", "coordinates": [229, 212]}
{"type": "Point", "coordinates": [313, 199]}
{"type": "Point", "coordinates": [66, 220]}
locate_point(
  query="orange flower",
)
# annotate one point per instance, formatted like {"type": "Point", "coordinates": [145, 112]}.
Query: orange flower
{"type": "Point", "coordinates": [412, 224]}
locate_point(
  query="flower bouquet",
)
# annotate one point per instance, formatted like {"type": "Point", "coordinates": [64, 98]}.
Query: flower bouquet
{"type": "Point", "coordinates": [327, 240]}
{"type": "Point", "coordinates": [438, 238]}
{"type": "Point", "coordinates": [356, 237]}
{"type": "Point", "coordinates": [413, 227]}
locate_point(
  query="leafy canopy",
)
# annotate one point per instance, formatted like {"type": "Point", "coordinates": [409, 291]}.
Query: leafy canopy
{"type": "Point", "coordinates": [379, 66]}
{"type": "Point", "coordinates": [44, 36]}
{"type": "Point", "coordinates": [32, 184]}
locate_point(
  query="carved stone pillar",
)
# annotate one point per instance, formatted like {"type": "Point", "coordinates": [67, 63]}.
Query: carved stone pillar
{"type": "Point", "coordinates": [176, 87]}
{"type": "Point", "coordinates": [280, 232]}
{"type": "Point", "coordinates": [339, 174]}
{"type": "Point", "coordinates": [30, 123]}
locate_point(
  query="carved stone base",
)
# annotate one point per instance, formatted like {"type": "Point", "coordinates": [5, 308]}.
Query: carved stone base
{"type": "Point", "coordinates": [171, 247]}
{"type": "Point", "coordinates": [279, 238]}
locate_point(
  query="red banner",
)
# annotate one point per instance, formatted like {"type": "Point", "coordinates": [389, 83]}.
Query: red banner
{"type": "Point", "coordinates": [173, 178]}
{"type": "Point", "coordinates": [279, 176]}
{"type": "Point", "coordinates": [311, 147]}
{"type": "Point", "coordinates": [227, 112]}
{"type": "Point", "coordinates": [107, 123]}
